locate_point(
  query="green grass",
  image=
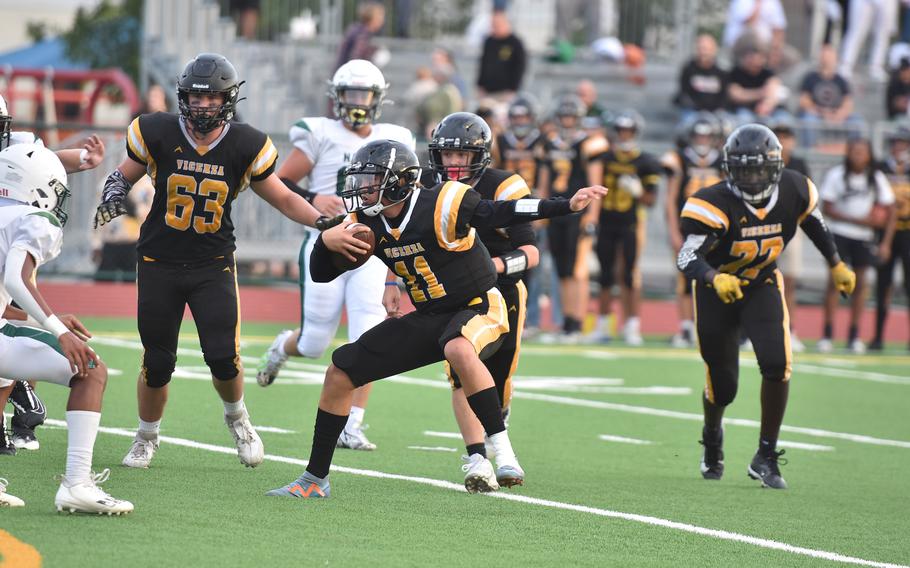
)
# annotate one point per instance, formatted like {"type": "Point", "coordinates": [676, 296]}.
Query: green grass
{"type": "Point", "coordinates": [199, 508]}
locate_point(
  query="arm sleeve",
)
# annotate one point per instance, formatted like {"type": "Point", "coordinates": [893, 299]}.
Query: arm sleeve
{"type": "Point", "coordinates": [506, 213]}
{"type": "Point", "coordinates": [702, 223]}
{"type": "Point", "coordinates": [814, 227]}
{"type": "Point", "coordinates": [321, 267]}
{"type": "Point", "coordinates": [41, 238]}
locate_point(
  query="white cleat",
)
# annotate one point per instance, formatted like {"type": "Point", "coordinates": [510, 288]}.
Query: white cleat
{"type": "Point", "coordinates": [796, 344]}
{"type": "Point", "coordinates": [249, 445]}
{"type": "Point", "coordinates": [141, 453]}
{"type": "Point", "coordinates": [479, 475]}
{"type": "Point", "coordinates": [355, 439]}
{"type": "Point", "coordinates": [857, 347]}
{"type": "Point", "coordinates": [7, 500]}
{"type": "Point", "coordinates": [272, 360]}
{"type": "Point", "coordinates": [87, 497]}
{"type": "Point", "coordinates": [632, 335]}
{"type": "Point", "coordinates": [508, 472]}
{"type": "Point", "coordinates": [680, 341]}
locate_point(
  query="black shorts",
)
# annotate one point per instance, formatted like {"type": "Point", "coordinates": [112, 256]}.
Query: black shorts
{"type": "Point", "coordinates": [562, 237]}
{"type": "Point", "coordinates": [623, 241]}
{"type": "Point", "coordinates": [241, 5]}
{"type": "Point", "coordinates": [762, 314]}
{"type": "Point", "coordinates": [856, 253]}
{"type": "Point", "coordinates": [414, 340]}
{"type": "Point", "coordinates": [900, 252]}
{"type": "Point", "coordinates": [503, 362]}
{"type": "Point", "coordinates": [210, 290]}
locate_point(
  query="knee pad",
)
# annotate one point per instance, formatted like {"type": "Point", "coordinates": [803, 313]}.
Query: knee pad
{"type": "Point", "coordinates": [776, 372]}
{"type": "Point", "coordinates": [312, 345]}
{"type": "Point", "coordinates": [157, 368]}
{"type": "Point", "coordinates": [723, 387]}
{"type": "Point", "coordinates": [224, 368]}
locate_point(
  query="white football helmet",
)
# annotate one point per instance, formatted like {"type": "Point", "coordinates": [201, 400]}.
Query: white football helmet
{"type": "Point", "coordinates": [358, 91]}
{"type": "Point", "coordinates": [32, 174]}
{"type": "Point", "coordinates": [6, 124]}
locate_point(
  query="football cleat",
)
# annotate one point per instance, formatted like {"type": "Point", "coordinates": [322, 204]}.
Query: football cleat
{"type": "Point", "coordinates": [765, 467]}
{"type": "Point", "coordinates": [307, 486]}
{"type": "Point", "coordinates": [6, 445]}
{"type": "Point", "coordinates": [24, 439]}
{"type": "Point", "coordinates": [632, 336]}
{"type": "Point", "coordinates": [355, 439]}
{"type": "Point", "coordinates": [857, 347]}
{"type": "Point", "coordinates": [712, 460]}
{"type": "Point", "coordinates": [141, 452]}
{"type": "Point", "coordinates": [875, 345]}
{"type": "Point", "coordinates": [249, 445]}
{"type": "Point", "coordinates": [30, 412]}
{"type": "Point", "coordinates": [682, 340]}
{"type": "Point", "coordinates": [7, 500]}
{"type": "Point", "coordinates": [509, 473]}
{"type": "Point", "coordinates": [796, 344]}
{"type": "Point", "coordinates": [87, 497]}
{"type": "Point", "coordinates": [824, 345]}
{"type": "Point", "coordinates": [479, 476]}
{"type": "Point", "coordinates": [272, 360]}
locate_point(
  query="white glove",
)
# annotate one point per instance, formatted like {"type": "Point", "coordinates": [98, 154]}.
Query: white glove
{"type": "Point", "coordinates": [631, 185]}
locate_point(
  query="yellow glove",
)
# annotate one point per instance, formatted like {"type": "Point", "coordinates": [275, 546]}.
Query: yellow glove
{"type": "Point", "coordinates": [727, 287]}
{"type": "Point", "coordinates": [844, 278]}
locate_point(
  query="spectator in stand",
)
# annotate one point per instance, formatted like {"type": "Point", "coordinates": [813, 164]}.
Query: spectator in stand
{"type": "Point", "coordinates": [856, 200]}
{"type": "Point", "coordinates": [358, 39]}
{"type": "Point", "coordinates": [442, 102]}
{"type": "Point", "coordinates": [702, 83]}
{"type": "Point", "coordinates": [825, 99]}
{"type": "Point", "coordinates": [754, 90]}
{"type": "Point", "coordinates": [246, 14]}
{"type": "Point", "coordinates": [897, 98]}
{"type": "Point", "coordinates": [587, 92]}
{"type": "Point", "coordinates": [502, 64]}
{"type": "Point", "coordinates": [761, 25]}
{"type": "Point", "coordinates": [877, 16]}
{"type": "Point", "coordinates": [442, 57]}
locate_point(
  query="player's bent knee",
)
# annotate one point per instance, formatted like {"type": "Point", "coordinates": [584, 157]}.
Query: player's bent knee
{"type": "Point", "coordinates": [157, 368]}
{"type": "Point", "coordinates": [312, 345]}
{"type": "Point", "coordinates": [336, 378]}
{"type": "Point", "coordinates": [458, 351]}
{"type": "Point", "coordinates": [224, 369]}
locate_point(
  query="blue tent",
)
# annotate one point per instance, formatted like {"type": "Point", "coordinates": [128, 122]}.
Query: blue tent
{"type": "Point", "coordinates": [50, 52]}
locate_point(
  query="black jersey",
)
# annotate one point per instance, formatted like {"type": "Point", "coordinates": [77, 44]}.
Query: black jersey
{"type": "Point", "coordinates": [899, 178]}
{"type": "Point", "coordinates": [695, 172]}
{"type": "Point", "coordinates": [567, 161]}
{"type": "Point", "coordinates": [195, 185]}
{"type": "Point", "coordinates": [746, 241]}
{"type": "Point", "coordinates": [519, 155]}
{"type": "Point", "coordinates": [619, 206]}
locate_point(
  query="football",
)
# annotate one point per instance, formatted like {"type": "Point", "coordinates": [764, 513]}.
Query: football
{"type": "Point", "coordinates": [363, 233]}
{"type": "Point", "coordinates": [879, 216]}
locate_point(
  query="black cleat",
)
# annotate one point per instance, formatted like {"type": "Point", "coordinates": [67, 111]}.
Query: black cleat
{"type": "Point", "coordinates": [764, 467]}
{"type": "Point", "coordinates": [6, 446]}
{"type": "Point", "coordinates": [875, 345]}
{"type": "Point", "coordinates": [712, 460]}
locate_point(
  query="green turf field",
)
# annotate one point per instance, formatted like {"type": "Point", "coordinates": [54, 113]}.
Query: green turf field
{"type": "Point", "coordinates": [633, 499]}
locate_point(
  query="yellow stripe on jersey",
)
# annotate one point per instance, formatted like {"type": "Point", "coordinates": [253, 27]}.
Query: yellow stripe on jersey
{"type": "Point", "coordinates": [813, 200]}
{"type": "Point", "coordinates": [266, 157]}
{"type": "Point", "coordinates": [594, 145]}
{"type": "Point", "coordinates": [136, 142]}
{"type": "Point", "coordinates": [445, 217]}
{"type": "Point", "coordinates": [705, 212]}
{"type": "Point", "coordinates": [513, 187]}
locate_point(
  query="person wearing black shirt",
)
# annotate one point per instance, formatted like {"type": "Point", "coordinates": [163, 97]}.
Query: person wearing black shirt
{"type": "Point", "coordinates": [753, 90]}
{"type": "Point", "coordinates": [897, 98]}
{"type": "Point", "coordinates": [702, 84]}
{"type": "Point", "coordinates": [502, 64]}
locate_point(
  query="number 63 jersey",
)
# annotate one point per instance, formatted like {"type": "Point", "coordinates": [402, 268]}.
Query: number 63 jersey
{"type": "Point", "coordinates": [195, 185]}
{"type": "Point", "coordinates": [737, 238]}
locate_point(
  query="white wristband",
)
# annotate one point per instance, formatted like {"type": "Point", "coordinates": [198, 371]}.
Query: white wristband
{"type": "Point", "coordinates": [83, 156]}
{"type": "Point", "coordinates": [55, 326]}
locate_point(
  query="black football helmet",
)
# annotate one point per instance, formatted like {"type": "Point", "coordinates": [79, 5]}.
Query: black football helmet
{"type": "Point", "coordinates": [753, 162]}
{"type": "Point", "coordinates": [208, 73]}
{"type": "Point", "coordinates": [464, 132]}
{"type": "Point", "coordinates": [382, 173]}
{"type": "Point", "coordinates": [703, 133]}
{"type": "Point", "coordinates": [522, 115]}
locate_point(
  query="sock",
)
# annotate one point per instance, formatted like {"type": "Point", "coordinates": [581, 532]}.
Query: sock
{"type": "Point", "coordinates": [687, 325]}
{"type": "Point", "coordinates": [881, 314]}
{"type": "Point", "coordinates": [82, 428]}
{"type": "Point", "coordinates": [148, 430]}
{"type": "Point", "coordinates": [234, 410]}
{"type": "Point", "coordinates": [355, 419]}
{"type": "Point", "coordinates": [325, 435]}
{"type": "Point", "coordinates": [477, 449]}
{"type": "Point", "coordinates": [503, 447]}
{"type": "Point", "coordinates": [485, 405]}
{"type": "Point", "coordinates": [633, 323]}
{"type": "Point", "coordinates": [852, 333]}
{"type": "Point", "coordinates": [766, 446]}
{"type": "Point", "coordinates": [828, 331]}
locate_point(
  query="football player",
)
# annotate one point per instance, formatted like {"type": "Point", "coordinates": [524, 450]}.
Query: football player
{"type": "Point", "coordinates": [429, 238]}
{"type": "Point", "coordinates": [734, 230]}
{"type": "Point", "coordinates": [200, 160]}
{"type": "Point", "coordinates": [322, 150]}
{"type": "Point", "coordinates": [634, 177]}
{"type": "Point", "coordinates": [32, 216]}
{"type": "Point", "coordinates": [567, 164]}
{"type": "Point", "coordinates": [28, 410]}
{"type": "Point", "coordinates": [460, 151]}
{"type": "Point", "coordinates": [515, 149]}
{"type": "Point", "coordinates": [694, 165]}
{"type": "Point", "coordinates": [897, 168]}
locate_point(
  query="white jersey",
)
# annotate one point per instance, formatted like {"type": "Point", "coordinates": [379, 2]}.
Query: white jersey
{"type": "Point", "coordinates": [23, 137]}
{"type": "Point", "coordinates": [30, 229]}
{"type": "Point", "coordinates": [329, 146]}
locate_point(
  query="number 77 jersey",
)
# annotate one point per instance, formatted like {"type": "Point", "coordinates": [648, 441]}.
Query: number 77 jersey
{"type": "Point", "coordinates": [195, 185]}
{"type": "Point", "coordinates": [737, 238]}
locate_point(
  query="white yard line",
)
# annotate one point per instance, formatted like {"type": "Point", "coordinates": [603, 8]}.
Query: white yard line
{"type": "Point", "coordinates": [274, 430]}
{"type": "Point", "coordinates": [433, 433]}
{"type": "Point", "coordinates": [624, 440]}
{"type": "Point", "coordinates": [433, 448]}
{"type": "Point", "coordinates": [517, 498]}
{"type": "Point", "coordinates": [804, 446]}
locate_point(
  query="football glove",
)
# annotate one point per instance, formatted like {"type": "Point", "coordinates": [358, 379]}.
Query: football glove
{"type": "Point", "coordinates": [844, 278]}
{"type": "Point", "coordinates": [109, 210]}
{"type": "Point", "coordinates": [727, 287]}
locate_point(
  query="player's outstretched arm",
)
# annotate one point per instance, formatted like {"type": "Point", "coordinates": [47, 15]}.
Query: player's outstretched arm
{"type": "Point", "coordinates": [86, 158]}
{"type": "Point", "coordinates": [289, 203]}
{"type": "Point", "coordinates": [116, 187]}
{"type": "Point", "coordinates": [504, 213]}
{"type": "Point", "coordinates": [20, 265]}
